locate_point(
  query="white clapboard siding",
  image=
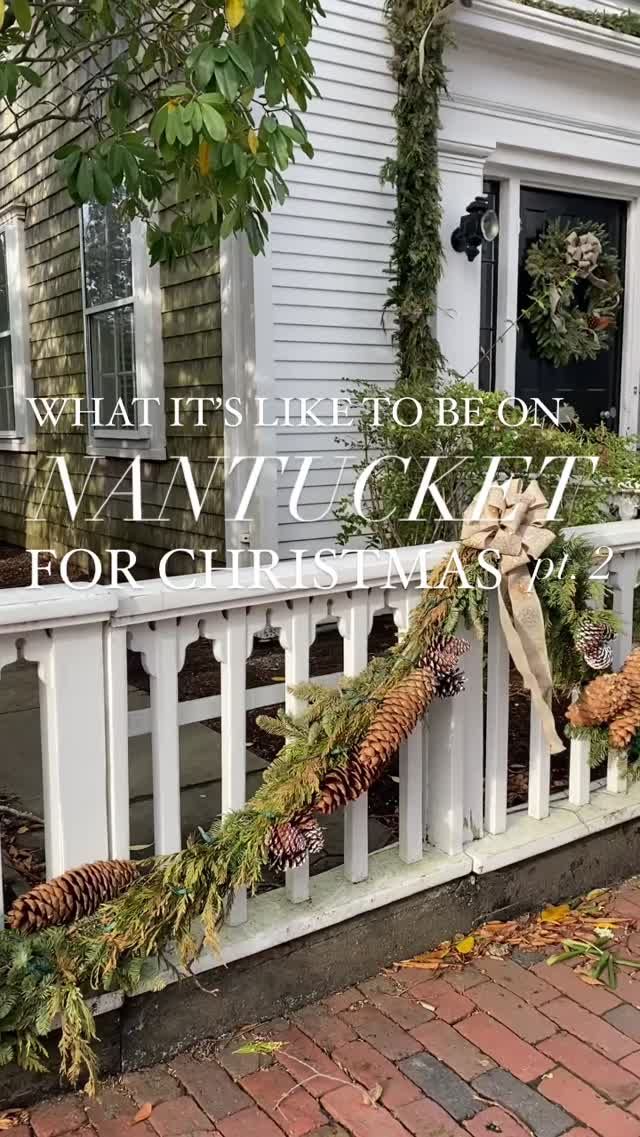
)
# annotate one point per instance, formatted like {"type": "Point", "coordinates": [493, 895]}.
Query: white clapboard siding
{"type": "Point", "coordinates": [330, 248]}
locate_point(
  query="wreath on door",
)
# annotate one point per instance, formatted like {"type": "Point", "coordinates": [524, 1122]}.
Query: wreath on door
{"type": "Point", "coordinates": [576, 291]}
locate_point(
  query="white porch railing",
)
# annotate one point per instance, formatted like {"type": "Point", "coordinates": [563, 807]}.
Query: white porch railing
{"type": "Point", "coordinates": [453, 815]}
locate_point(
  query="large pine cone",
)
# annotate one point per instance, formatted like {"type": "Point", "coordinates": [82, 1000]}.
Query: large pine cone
{"type": "Point", "coordinates": [395, 719]}
{"type": "Point", "coordinates": [624, 727]}
{"type": "Point", "coordinates": [601, 701]}
{"type": "Point", "coordinates": [343, 785]}
{"type": "Point", "coordinates": [631, 669]}
{"type": "Point", "coordinates": [67, 898]}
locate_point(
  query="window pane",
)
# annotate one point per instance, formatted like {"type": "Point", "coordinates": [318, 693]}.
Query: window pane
{"type": "Point", "coordinates": [113, 361]}
{"type": "Point", "coordinates": [107, 254]}
{"type": "Point", "coordinates": [4, 291]}
{"type": "Point", "coordinates": [7, 412]}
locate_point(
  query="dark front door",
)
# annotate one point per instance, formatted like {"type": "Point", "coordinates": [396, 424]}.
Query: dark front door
{"type": "Point", "coordinates": [591, 386]}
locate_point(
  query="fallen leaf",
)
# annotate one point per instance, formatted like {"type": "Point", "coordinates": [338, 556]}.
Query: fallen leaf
{"type": "Point", "coordinates": [143, 1114]}
{"type": "Point", "coordinates": [430, 965]}
{"type": "Point", "coordinates": [556, 914]}
{"type": "Point", "coordinates": [375, 1093]}
{"type": "Point", "coordinates": [427, 1006]}
{"type": "Point", "coordinates": [590, 980]}
{"type": "Point", "coordinates": [466, 946]}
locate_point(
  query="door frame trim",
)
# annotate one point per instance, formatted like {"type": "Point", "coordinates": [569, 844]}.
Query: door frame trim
{"type": "Point", "coordinates": [600, 181]}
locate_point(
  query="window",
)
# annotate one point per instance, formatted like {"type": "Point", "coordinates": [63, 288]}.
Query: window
{"type": "Point", "coordinates": [123, 336]}
{"type": "Point", "coordinates": [489, 298]}
{"type": "Point", "coordinates": [16, 425]}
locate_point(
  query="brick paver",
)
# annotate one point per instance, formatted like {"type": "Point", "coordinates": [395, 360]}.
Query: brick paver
{"type": "Point", "coordinates": [501, 1046]}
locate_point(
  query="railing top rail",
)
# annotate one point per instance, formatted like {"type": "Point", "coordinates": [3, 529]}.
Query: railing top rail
{"type": "Point", "coordinates": [54, 604]}
{"type": "Point", "coordinates": [295, 580]}
{"type": "Point", "coordinates": [188, 595]}
{"type": "Point", "coordinates": [621, 536]}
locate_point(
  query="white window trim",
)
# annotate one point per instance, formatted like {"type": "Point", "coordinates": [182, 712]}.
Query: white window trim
{"type": "Point", "coordinates": [150, 442]}
{"type": "Point", "coordinates": [22, 437]}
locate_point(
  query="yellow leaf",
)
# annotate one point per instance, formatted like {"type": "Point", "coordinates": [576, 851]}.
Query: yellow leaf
{"type": "Point", "coordinates": [465, 946]}
{"type": "Point", "coordinates": [252, 140]}
{"type": "Point", "coordinates": [555, 914]}
{"type": "Point", "coordinates": [282, 39]}
{"type": "Point", "coordinates": [235, 12]}
{"type": "Point", "coordinates": [204, 156]}
{"type": "Point", "coordinates": [3, 9]}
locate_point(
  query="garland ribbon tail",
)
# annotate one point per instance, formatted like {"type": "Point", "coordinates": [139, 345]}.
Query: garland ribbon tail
{"type": "Point", "coordinates": [527, 646]}
{"type": "Point", "coordinates": [513, 527]}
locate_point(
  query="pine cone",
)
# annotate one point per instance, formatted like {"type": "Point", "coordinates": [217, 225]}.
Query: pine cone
{"type": "Point", "coordinates": [623, 729]}
{"type": "Point", "coordinates": [344, 785]}
{"type": "Point", "coordinates": [451, 685]}
{"type": "Point", "coordinates": [290, 841]}
{"type": "Point", "coordinates": [631, 669]}
{"type": "Point", "coordinates": [395, 719]}
{"type": "Point", "coordinates": [593, 641]}
{"type": "Point", "coordinates": [601, 701]}
{"type": "Point", "coordinates": [441, 661]}
{"type": "Point", "coordinates": [65, 899]}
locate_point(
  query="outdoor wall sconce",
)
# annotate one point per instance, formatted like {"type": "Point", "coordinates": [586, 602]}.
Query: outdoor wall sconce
{"type": "Point", "coordinates": [478, 224]}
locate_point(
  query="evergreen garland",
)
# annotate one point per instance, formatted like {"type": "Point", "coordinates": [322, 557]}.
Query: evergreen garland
{"type": "Point", "coordinates": [46, 978]}
{"type": "Point", "coordinates": [418, 35]}
{"type": "Point", "coordinates": [181, 899]}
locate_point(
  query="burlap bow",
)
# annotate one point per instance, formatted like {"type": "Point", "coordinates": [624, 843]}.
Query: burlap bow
{"type": "Point", "coordinates": [513, 524]}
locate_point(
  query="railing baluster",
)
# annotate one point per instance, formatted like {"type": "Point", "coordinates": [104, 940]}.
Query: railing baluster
{"type": "Point", "coordinates": [411, 766]}
{"type": "Point", "coordinates": [472, 710]}
{"type": "Point", "coordinates": [617, 772]}
{"type": "Point", "coordinates": [497, 741]}
{"type": "Point", "coordinates": [74, 761]}
{"type": "Point", "coordinates": [233, 685]}
{"type": "Point", "coordinates": [298, 640]}
{"type": "Point", "coordinates": [446, 776]}
{"type": "Point", "coordinates": [579, 769]}
{"type": "Point", "coordinates": [539, 769]}
{"type": "Point", "coordinates": [162, 663]}
{"type": "Point", "coordinates": [116, 708]}
{"type": "Point", "coordinates": [622, 582]}
{"type": "Point", "coordinates": [354, 626]}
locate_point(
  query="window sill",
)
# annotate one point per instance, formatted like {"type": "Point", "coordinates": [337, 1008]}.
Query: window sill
{"type": "Point", "coordinates": [119, 448]}
{"type": "Point", "coordinates": [17, 445]}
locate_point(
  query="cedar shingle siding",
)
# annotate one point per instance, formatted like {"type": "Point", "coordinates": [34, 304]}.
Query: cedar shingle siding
{"type": "Point", "coordinates": [192, 367]}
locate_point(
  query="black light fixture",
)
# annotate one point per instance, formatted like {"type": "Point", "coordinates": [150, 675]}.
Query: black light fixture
{"type": "Point", "coordinates": [478, 224]}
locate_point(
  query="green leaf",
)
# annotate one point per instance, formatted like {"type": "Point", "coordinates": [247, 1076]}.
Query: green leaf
{"type": "Point", "coordinates": [131, 172]}
{"type": "Point", "coordinates": [279, 144]}
{"type": "Point", "coordinates": [183, 129]}
{"type": "Point", "coordinates": [22, 13]}
{"type": "Point", "coordinates": [159, 122]}
{"type": "Point", "coordinates": [227, 80]}
{"type": "Point", "coordinates": [229, 223]}
{"type": "Point", "coordinates": [213, 123]}
{"type": "Point", "coordinates": [30, 75]}
{"type": "Point", "coordinates": [273, 87]}
{"type": "Point", "coordinates": [204, 66]}
{"type": "Point", "coordinates": [240, 161]}
{"type": "Point", "coordinates": [241, 60]}
{"type": "Point", "coordinates": [171, 129]}
{"type": "Point", "coordinates": [103, 183]}
{"type": "Point", "coordinates": [84, 180]}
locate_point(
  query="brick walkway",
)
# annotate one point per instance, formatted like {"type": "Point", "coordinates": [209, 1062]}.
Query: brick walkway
{"type": "Point", "coordinates": [510, 1047]}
